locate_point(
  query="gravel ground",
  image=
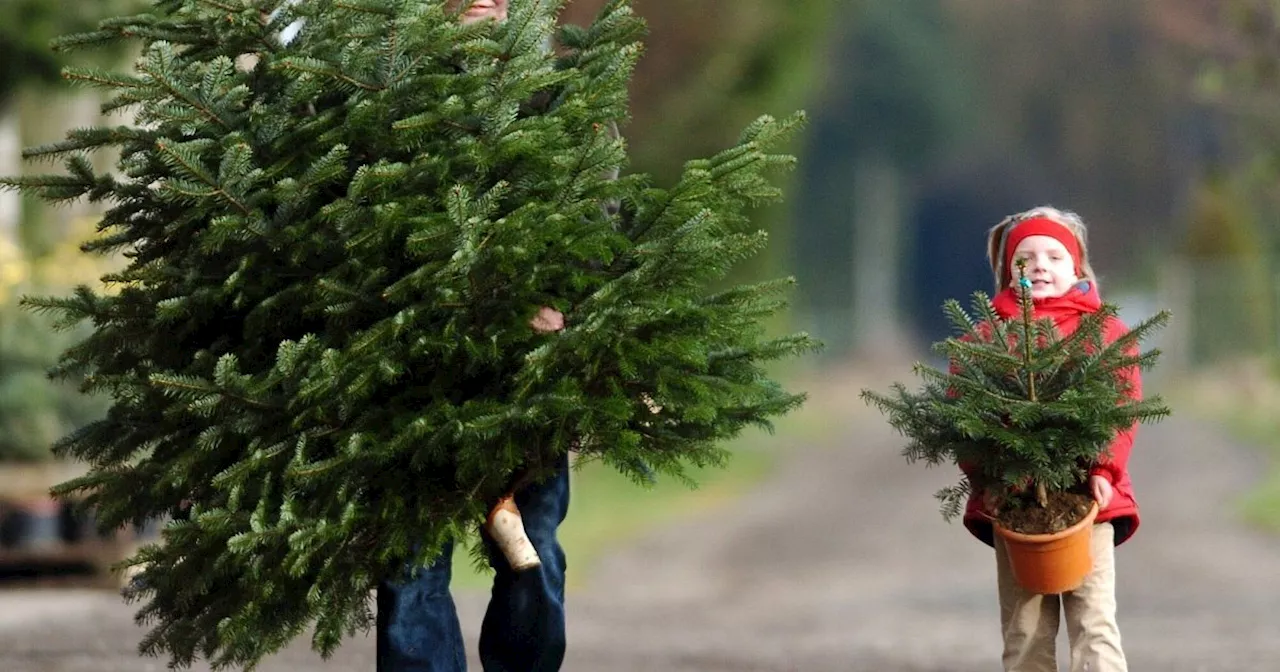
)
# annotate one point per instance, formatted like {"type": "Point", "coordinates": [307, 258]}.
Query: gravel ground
{"type": "Point", "coordinates": [838, 562]}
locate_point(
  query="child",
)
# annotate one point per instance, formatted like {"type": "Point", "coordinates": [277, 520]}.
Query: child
{"type": "Point", "coordinates": [1063, 287]}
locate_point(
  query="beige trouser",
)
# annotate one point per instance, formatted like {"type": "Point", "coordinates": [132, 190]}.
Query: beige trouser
{"type": "Point", "coordinates": [1030, 621]}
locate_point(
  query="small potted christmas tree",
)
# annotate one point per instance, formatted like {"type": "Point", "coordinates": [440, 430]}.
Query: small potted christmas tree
{"type": "Point", "coordinates": [1026, 412]}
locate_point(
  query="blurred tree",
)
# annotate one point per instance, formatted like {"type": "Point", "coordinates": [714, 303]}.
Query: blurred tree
{"type": "Point", "coordinates": [1232, 296]}
{"type": "Point", "coordinates": [34, 411]}
{"type": "Point", "coordinates": [1234, 234]}
{"type": "Point", "coordinates": [1097, 93]}
{"type": "Point", "coordinates": [711, 68]}
{"type": "Point", "coordinates": [896, 97]}
{"type": "Point", "coordinates": [1243, 83]}
{"type": "Point", "coordinates": [26, 29]}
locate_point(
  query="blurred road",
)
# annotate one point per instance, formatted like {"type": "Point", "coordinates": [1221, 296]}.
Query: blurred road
{"type": "Point", "coordinates": [839, 562]}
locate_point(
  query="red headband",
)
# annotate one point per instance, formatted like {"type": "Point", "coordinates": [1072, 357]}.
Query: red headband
{"type": "Point", "coordinates": [1040, 226]}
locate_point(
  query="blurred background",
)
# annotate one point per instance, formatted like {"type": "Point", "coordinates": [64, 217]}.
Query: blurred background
{"type": "Point", "coordinates": [929, 121]}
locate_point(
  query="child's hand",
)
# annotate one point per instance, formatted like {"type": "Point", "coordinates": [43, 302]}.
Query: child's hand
{"type": "Point", "coordinates": [547, 320]}
{"type": "Point", "coordinates": [991, 502]}
{"type": "Point", "coordinates": [1102, 491]}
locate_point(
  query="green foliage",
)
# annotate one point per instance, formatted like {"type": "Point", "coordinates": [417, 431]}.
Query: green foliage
{"type": "Point", "coordinates": [1233, 205]}
{"type": "Point", "coordinates": [35, 412]}
{"type": "Point", "coordinates": [322, 339]}
{"type": "Point", "coordinates": [718, 66]}
{"type": "Point", "coordinates": [27, 27]}
{"type": "Point", "coordinates": [903, 94]}
{"type": "Point", "coordinates": [713, 69]}
{"type": "Point", "coordinates": [1021, 405]}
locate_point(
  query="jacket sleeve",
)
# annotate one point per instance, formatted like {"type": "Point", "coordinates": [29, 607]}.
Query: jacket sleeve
{"type": "Point", "coordinates": [1114, 463]}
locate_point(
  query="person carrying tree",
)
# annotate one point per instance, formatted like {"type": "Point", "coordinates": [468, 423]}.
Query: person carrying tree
{"type": "Point", "coordinates": [340, 338]}
{"type": "Point", "coordinates": [524, 625]}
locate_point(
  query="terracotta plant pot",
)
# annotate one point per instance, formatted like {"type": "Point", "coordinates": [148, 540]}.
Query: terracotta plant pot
{"type": "Point", "coordinates": [1051, 563]}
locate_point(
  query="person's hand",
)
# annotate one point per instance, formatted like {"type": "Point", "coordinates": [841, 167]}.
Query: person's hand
{"type": "Point", "coordinates": [1101, 489]}
{"type": "Point", "coordinates": [650, 404]}
{"type": "Point", "coordinates": [990, 502]}
{"type": "Point", "coordinates": [547, 320]}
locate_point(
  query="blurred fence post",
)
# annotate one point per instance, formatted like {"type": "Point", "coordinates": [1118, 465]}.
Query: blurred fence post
{"type": "Point", "coordinates": [10, 164]}
{"type": "Point", "coordinates": [1273, 348]}
{"type": "Point", "coordinates": [1226, 311]}
{"type": "Point", "coordinates": [877, 222]}
{"type": "Point", "coordinates": [1175, 295]}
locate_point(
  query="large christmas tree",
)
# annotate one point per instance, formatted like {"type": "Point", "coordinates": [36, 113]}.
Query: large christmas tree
{"type": "Point", "coordinates": [337, 242]}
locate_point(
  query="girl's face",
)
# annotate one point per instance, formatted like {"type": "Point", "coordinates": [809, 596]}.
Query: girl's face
{"type": "Point", "coordinates": [480, 10]}
{"type": "Point", "coordinates": [1050, 268]}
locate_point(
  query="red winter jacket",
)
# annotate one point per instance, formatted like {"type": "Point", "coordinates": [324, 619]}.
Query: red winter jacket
{"type": "Point", "coordinates": [1065, 311]}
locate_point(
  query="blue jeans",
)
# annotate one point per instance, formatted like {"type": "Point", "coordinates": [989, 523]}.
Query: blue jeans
{"type": "Point", "coordinates": [523, 628]}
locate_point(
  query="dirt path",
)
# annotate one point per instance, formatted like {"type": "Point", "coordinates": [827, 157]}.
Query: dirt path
{"type": "Point", "coordinates": [843, 563]}
{"type": "Point", "coordinates": [840, 562]}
